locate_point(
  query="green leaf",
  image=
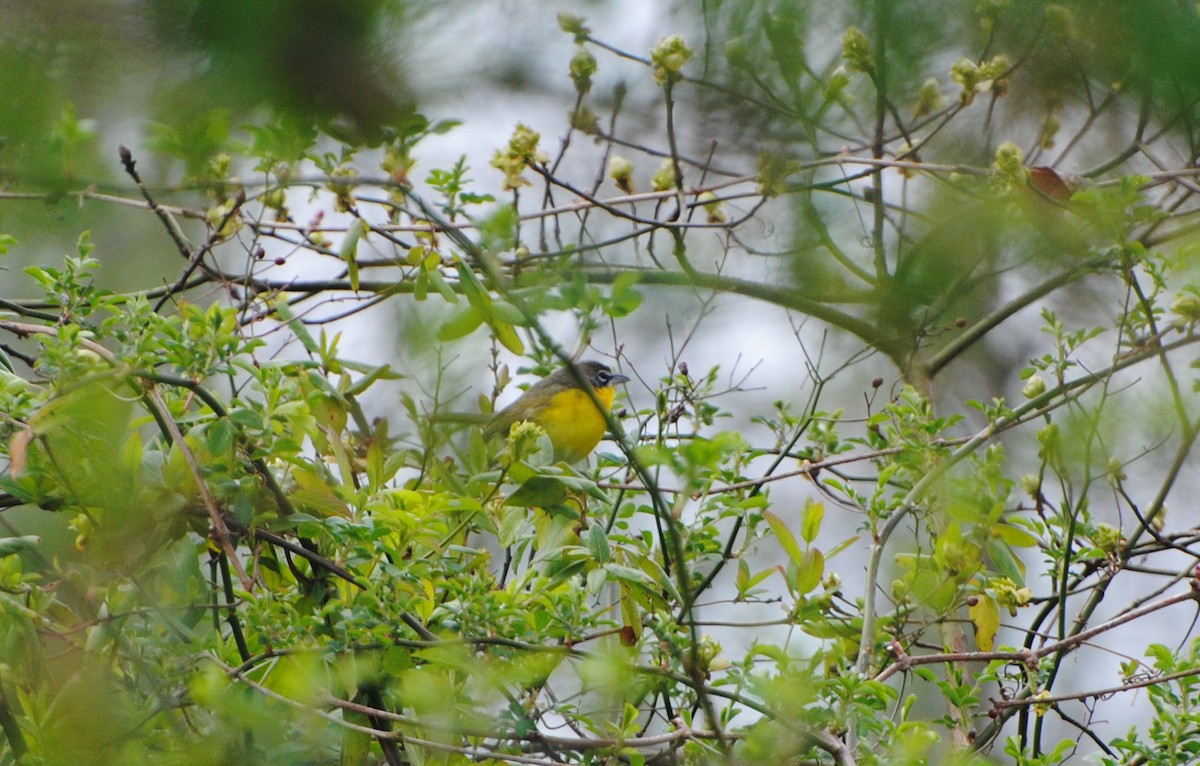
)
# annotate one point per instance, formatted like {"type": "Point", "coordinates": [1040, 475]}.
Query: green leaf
{"type": "Point", "coordinates": [787, 44]}
{"type": "Point", "coordinates": [1163, 656]}
{"type": "Point", "coordinates": [246, 418]}
{"type": "Point", "coordinates": [1005, 561]}
{"type": "Point", "coordinates": [597, 543]}
{"type": "Point", "coordinates": [444, 126]}
{"type": "Point", "coordinates": [461, 323]}
{"type": "Point", "coordinates": [1015, 536]}
{"type": "Point", "coordinates": [219, 436]}
{"type": "Point", "coordinates": [297, 327]}
{"type": "Point", "coordinates": [596, 579]}
{"type": "Point", "coordinates": [508, 338]}
{"type": "Point", "coordinates": [512, 519]}
{"type": "Point", "coordinates": [504, 311]}
{"type": "Point", "coordinates": [373, 374]}
{"type": "Point", "coordinates": [624, 300]}
{"type": "Point", "coordinates": [810, 520]}
{"type": "Point", "coordinates": [440, 284]}
{"type": "Point", "coordinates": [625, 282]}
{"type": "Point", "coordinates": [539, 492]}
{"type": "Point", "coordinates": [471, 286]}
{"type": "Point", "coordinates": [785, 537]}
{"type": "Point", "coordinates": [843, 545]}
{"type": "Point", "coordinates": [810, 571]}
{"type": "Point", "coordinates": [630, 576]}
{"type": "Point", "coordinates": [746, 581]}
{"type": "Point", "coordinates": [420, 285]}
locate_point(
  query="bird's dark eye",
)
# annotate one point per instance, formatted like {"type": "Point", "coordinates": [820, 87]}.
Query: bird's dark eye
{"type": "Point", "coordinates": [602, 378]}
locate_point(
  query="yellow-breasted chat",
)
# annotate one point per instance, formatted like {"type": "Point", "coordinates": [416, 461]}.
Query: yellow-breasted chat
{"type": "Point", "coordinates": [564, 409]}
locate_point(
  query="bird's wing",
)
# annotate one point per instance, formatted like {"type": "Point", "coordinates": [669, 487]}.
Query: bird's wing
{"type": "Point", "coordinates": [511, 415]}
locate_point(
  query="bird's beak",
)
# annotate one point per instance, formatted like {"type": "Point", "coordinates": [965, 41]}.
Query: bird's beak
{"type": "Point", "coordinates": [615, 379]}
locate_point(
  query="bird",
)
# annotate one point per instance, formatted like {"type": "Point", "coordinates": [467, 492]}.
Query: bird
{"type": "Point", "coordinates": [562, 407]}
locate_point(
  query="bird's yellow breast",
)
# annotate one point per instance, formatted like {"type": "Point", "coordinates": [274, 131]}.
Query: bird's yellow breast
{"type": "Point", "coordinates": [573, 423]}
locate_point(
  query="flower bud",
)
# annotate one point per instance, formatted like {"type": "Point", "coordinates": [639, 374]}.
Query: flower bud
{"type": "Point", "coordinates": [1187, 306]}
{"type": "Point", "coordinates": [620, 170]}
{"type": "Point", "coordinates": [522, 150]}
{"type": "Point", "coordinates": [1010, 161]}
{"type": "Point", "coordinates": [664, 177]}
{"type": "Point", "coordinates": [1107, 538]}
{"type": "Point", "coordinates": [668, 58]}
{"type": "Point", "coordinates": [1034, 387]}
{"type": "Point", "coordinates": [856, 49]}
{"type": "Point", "coordinates": [1031, 485]}
{"type": "Point", "coordinates": [583, 66]}
{"type": "Point", "coordinates": [712, 205]}
{"type": "Point", "coordinates": [929, 98]}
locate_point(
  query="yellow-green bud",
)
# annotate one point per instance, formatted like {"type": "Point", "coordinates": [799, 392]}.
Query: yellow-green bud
{"type": "Point", "coordinates": [966, 73]}
{"type": "Point", "coordinates": [856, 49]}
{"type": "Point", "coordinates": [712, 205]}
{"type": "Point", "coordinates": [620, 170]}
{"type": "Point", "coordinates": [584, 120]}
{"type": "Point", "coordinates": [1187, 306]}
{"type": "Point", "coordinates": [1050, 128]}
{"type": "Point", "coordinates": [1159, 520]}
{"type": "Point", "coordinates": [996, 66]}
{"type": "Point", "coordinates": [992, 75]}
{"type": "Point", "coordinates": [664, 177]}
{"type": "Point", "coordinates": [835, 88]}
{"type": "Point", "coordinates": [1041, 708]}
{"type": "Point", "coordinates": [1008, 595]}
{"type": "Point", "coordinates": [222, 215]}
{"type": "Point", "coordinates": [1034, 387]}
{"type": "Point", "coordinates": [523, 439]}
{"type": "Point", "coordinates": [1116, 469]}
{"type": "Point", "coordinates": [1010, 161]}
{"type": "Point", "coordinates": [1031, 485]}
{"type": "Point", "coordinates": [929, 98]}
{"type": "Point", "coordinates": [1050, 437]}
{"type": "Point", "coordinates": [736, 53]}
{"type": "Point", "coordinates": [583, 66]}
{"type": "Point", "coordinates": [701, 661]}
{"type": "Point", "coordinates": [1107, 538]}
{"type": "Point", "coordinates": [524, 144]}
{"type": "Point", "coordinates": [341, 183]}
{"type": "Point", "coordinates": [522, 150]}
{"type": "Point", "coordinates": [275, 199]}
{"type": "Point", "coordinates": [668, 58]}
{"type": "Point", "coordinates": [219, 165]}
{"type": "Point", "coordinates": [773, 173]}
